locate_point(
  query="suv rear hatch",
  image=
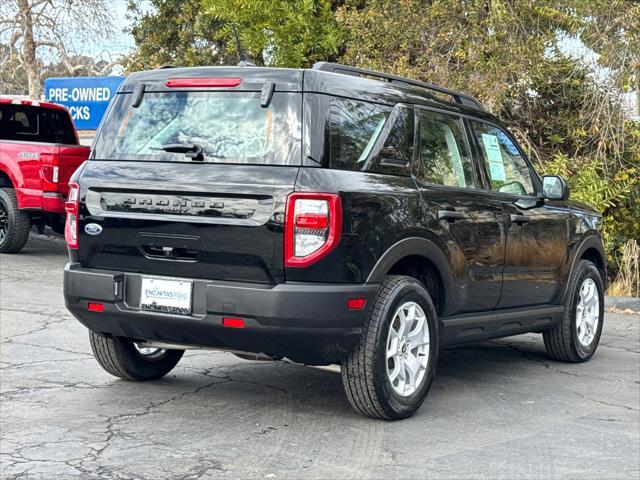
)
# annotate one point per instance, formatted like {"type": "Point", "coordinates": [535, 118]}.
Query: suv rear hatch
{"type": "Point", "coordinates": [190, 174]}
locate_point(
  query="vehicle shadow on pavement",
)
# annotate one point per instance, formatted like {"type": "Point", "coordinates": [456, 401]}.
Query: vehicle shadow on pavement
{"type": "Point", "coordinates": [220, 384]}
{"type": "Point", "coordinates": [50, 244]}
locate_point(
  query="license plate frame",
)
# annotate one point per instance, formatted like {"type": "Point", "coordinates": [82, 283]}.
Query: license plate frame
{"type": "Point", "coordinates": [166, 295]}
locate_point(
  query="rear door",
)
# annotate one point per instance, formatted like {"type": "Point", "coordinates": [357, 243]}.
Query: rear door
{"type": "Point", "coordinates": [467, 222]}
{"type": "Point", "coordinates": [537, 231]}
{"type": "Point", "coordinates": [169, 211]}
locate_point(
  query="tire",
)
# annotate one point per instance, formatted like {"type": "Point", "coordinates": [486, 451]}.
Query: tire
{"type": "Point", "coordinates": [14, 223]}
{"type": "Point", "coordinates": [120, 357]}
{"type": "Point", "coordinates": [564, 342]}
{"type": "Point", "coordinates": [365, 376]}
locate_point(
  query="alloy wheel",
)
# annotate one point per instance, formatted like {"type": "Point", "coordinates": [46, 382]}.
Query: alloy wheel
{"type": "Point", "coordinates": [587, 312]}
{"type": "Point", "coordinates": [407, 353]}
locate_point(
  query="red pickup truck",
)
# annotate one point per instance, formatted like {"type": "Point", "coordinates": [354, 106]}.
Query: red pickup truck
{"type": "Point", "coordinates": [39, 151]}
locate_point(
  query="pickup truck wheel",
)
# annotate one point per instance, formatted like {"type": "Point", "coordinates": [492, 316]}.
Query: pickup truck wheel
{"type": "Point", "coordinates": [390, 371]}
{"type": "Point", "coordinates": [575, 339]}
{"type": "Point", "coordinates": [122, 357]}
{"type": "Point", "coordinates": [14, 223]}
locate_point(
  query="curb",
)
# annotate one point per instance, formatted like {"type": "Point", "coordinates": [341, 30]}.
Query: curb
{"type": "Point", "coordinates": [623, 303]}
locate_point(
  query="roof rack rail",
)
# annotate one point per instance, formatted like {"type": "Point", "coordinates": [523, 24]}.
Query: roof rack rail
{"type": "Point", "coordinates": [461, 98]}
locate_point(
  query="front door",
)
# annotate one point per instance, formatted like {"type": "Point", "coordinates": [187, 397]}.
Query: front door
{"type": "Point", "coordinates": [537, 231]}
{"type": "Point", "coordinates": [465, 220]}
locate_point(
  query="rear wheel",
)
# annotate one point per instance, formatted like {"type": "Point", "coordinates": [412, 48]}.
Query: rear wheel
{"type": "Point", "coordinates": [14, 223]}
{"type": "Point", "coordinates": [124, 358]}
{"type": "Point", "coordinates": [576, 337]}
{"type": "Point", "coordinates": [391, 370]}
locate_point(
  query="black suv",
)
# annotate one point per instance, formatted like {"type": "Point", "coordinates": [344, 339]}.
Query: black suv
{"type": "Point", "coordinates": [330, 215]}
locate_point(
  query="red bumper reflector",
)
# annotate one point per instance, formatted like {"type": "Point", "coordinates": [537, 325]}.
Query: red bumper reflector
{"type": "Point", "coordinates": [356, 303]}
{"type": "Point", "coordinates": [219, 82]}
{"type": "Point", "coordinates": [232, 322]}
{"type": "Point", "coordinates": [95, 307]}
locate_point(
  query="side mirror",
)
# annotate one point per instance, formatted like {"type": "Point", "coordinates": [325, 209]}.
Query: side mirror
{"type": "Point", "coordinates": [554, 187]}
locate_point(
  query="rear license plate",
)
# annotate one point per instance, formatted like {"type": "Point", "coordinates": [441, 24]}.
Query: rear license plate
{"type": "Point", "coordinates": [166, 296]}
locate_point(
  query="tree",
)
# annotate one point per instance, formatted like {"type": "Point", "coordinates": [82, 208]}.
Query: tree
{"type": "Point", "coordinates": [39, 32]}
{"type": "Point", "coordinates": [565, 104]}
{"type": "Point", "coordinates": [174, 32]}
{"type": "Point", "coordinates": [283, 33]}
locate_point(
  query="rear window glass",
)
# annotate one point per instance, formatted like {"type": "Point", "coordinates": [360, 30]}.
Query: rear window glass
{"type": "Point", "coordinates": [229, 127]}
{"type": "Point", "coordinates": [25, 123]}
{"type": "Point", "coordinates": [354, 128]}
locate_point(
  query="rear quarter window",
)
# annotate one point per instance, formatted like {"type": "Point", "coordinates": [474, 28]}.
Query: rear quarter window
{"type": "Point", "coordinates": [354, 127]}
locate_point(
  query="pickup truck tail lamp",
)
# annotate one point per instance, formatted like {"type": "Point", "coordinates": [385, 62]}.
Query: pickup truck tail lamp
{"type": "Point", "coordinates": [50, 171]}
{"type": "Point", "coordinates": [313, 226]}
{"type": "Point", "coordinates": [72, 207]}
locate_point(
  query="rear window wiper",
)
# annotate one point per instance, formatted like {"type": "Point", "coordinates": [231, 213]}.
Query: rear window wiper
{"type": "Point", "coordinates": [191, 150]}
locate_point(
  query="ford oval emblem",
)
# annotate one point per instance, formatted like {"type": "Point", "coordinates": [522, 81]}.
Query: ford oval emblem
{"type": "Point", "coordinates": [93, 229]}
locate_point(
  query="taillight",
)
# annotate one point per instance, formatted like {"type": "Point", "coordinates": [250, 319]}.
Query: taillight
{"type": "Point", "coordinates": [313, 225]}
{"type": "Point", "coordinates": [50, 171]}
{"type": "Point", "coordinates": [72, 207]}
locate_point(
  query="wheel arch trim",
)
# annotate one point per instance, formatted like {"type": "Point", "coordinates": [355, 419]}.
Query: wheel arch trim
{"type": "Point", "coordinates": [420, 247]}
{"type": "Point", "coordinates": [591, 241]}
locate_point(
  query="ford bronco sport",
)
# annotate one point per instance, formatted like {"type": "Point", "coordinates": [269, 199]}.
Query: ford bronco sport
{"type": "Point", "coordinates": [330, 215]}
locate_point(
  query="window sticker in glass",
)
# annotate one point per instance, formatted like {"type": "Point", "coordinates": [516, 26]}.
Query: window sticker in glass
{"type": "Point", "coordinates": [507, 168]}
{"type": "Point", "coordinates": [494, 157]}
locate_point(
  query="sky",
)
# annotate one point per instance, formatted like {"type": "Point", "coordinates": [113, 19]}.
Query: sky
{"type": "Point", "coordinates": [120, 42]}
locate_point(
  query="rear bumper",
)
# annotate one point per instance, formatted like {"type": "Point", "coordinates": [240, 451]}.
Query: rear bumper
{"type": "Point", "coordinates": [307, 323]}
{"type": "Point", "coordinates": [29, 199]}
{"type": "Point", "coordinates": [53, 202]}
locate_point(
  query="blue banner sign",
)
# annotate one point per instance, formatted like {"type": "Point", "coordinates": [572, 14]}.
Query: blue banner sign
{"type": "Point", "coordinates": [86, 98]}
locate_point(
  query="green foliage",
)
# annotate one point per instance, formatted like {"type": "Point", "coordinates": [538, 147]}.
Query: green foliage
{"type": "Point", "coordinates": [590, 185]}
{"type": "Point", "coordinates": [174, 32]}
{"type": "Point", "coordinates": [618, 198]}
{"type": "Point", "coordinates": [282, 33]}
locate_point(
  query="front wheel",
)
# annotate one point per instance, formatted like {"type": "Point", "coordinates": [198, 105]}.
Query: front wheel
{"type": "Point", "coordinates": [390, 371]}
{"type": "Point", "coordinates": [576, 338]}
{"type": "Point", "coordinates": [122, 357]}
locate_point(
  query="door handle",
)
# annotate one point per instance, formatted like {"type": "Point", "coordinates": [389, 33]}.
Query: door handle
{"type": "Point", "coordinates": [450, 215]}
{"type": "Point", "coordinates": [519, 219]}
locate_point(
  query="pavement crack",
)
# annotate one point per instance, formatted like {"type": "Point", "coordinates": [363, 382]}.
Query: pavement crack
{"type": "Point", "coordinates": [550, 367]}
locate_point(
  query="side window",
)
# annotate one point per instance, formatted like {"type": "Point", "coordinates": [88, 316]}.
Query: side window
{"type": "Point", "coordinates": [18, 122]}
{"type": "Point", "coordinates": [507, 169]}
{"type": "Point", "coordinates": [56, 127]}
{"type": "Point", "coordinates": [354, 127]}
{"type": "Point", "coordinates": [443, 152]}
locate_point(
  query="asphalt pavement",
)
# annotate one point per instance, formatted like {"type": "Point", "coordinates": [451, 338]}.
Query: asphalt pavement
{"type": "Point", "coordinates": [497, 409]}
